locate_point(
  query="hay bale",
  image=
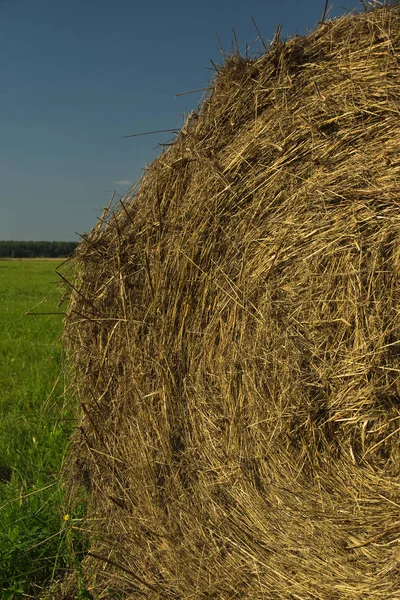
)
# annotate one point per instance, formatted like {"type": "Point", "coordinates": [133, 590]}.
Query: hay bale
{"type": "Point", "coordinates": [234, 338]}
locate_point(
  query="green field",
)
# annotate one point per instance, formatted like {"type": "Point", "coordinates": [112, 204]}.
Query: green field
{"type": "Point", "coordinates": [35, 424]}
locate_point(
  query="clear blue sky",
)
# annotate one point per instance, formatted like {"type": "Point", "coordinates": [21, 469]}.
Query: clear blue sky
{"type": "Point", "coordinates": [77, 75]}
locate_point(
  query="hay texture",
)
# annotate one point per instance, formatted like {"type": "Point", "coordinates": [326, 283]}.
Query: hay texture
{"type": "Point", "coordinates": [234, 338]}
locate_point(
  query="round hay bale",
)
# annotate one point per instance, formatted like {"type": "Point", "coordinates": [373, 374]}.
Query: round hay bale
{"type": "Point", "coordinates": [234, 338]}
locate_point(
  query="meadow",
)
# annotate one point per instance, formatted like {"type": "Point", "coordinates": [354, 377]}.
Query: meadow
{"type": "Point", "coordinates": [35, 422]}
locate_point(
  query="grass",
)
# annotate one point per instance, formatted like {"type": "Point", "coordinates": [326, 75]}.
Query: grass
{"type": "Point", "coordinates": [35, 422]}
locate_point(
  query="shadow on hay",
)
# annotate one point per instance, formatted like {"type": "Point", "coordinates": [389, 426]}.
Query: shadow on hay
{"type": "Point", "coordinates": [234, 338]}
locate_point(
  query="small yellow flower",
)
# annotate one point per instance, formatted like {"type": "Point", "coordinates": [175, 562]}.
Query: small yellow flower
{"type": "Point", "coordinates": [66, 517]}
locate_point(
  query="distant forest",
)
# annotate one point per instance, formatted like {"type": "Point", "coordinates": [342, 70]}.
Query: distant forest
{"type": "Point", "coordinates": [12, 249]}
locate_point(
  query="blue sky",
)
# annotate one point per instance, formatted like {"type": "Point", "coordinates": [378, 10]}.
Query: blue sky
{"type": "Point", "coordinates": [78, 75]}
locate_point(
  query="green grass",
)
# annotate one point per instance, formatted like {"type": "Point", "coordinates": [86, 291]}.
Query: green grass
{"type": "Point", "coordinates": [35, 540]}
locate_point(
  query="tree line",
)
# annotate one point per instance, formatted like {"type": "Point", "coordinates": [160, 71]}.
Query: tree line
{"type": "Point", "coordinates": [14, 249]}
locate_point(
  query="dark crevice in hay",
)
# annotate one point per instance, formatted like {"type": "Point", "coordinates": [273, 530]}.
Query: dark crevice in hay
{"type": "Point", "coordinates": [235, 338]}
